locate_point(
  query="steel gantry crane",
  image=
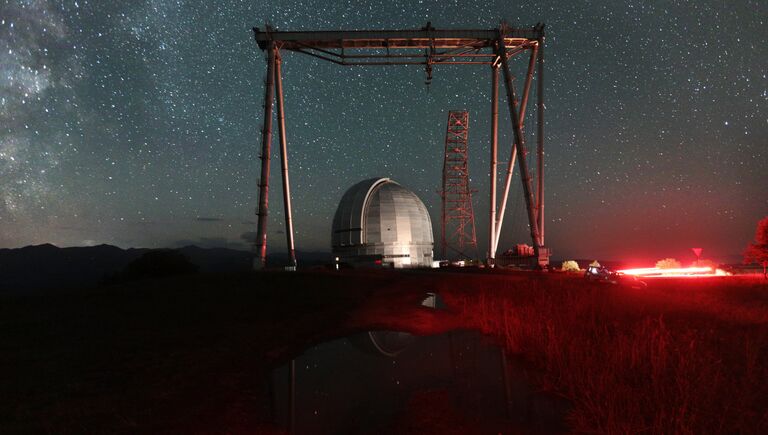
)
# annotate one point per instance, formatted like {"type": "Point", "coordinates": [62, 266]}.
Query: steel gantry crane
{"type": "Point", "coordinates": [430, 48]}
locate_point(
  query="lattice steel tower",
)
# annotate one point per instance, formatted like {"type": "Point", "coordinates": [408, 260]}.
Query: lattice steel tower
{"type": "Point", "coordinates": [458, 217]}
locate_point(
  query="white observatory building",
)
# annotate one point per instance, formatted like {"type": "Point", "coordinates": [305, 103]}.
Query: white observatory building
{"type": "Point", "coordinates": [380, 222]}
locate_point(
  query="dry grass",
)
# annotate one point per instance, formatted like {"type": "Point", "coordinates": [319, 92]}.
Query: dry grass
{"type": "Point", "coordinates": [683, 356]}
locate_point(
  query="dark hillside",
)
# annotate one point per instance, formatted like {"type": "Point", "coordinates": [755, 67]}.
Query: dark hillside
{"type": "Point", "coordinates": [50, 267]}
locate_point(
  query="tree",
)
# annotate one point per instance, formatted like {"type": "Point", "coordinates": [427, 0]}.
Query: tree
{"type": "Point", "coordinates": [570, 266]}
{"type": "Point", "coordinates": [668, 263]}
{"type": "Point", "coordinates": [757, 252]}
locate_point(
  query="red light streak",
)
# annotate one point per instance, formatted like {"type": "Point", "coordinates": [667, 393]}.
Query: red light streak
{"type": "Point", "coordinates": [684, 272]}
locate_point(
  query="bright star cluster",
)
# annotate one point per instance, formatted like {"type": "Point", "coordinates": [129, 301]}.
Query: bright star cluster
{"type": "Point", "coordinates": [138, 123]}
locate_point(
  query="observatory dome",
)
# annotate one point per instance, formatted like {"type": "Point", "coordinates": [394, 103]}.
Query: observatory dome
{"type": "Point", "coordinates": [378, 221]}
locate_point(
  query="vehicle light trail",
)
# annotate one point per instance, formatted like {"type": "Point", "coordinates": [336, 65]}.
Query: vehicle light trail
{"type": "Point", "coordinates": [690, 272]}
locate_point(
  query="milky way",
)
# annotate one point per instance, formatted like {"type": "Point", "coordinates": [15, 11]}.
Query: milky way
{"type": "Point", "coordinates": [137, 123]}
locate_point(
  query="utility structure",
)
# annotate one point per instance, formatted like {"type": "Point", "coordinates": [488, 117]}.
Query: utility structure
{"type": "Point", "coordinates": [429, 48]}
{"type": "Point", "coordinates": [458, 216]}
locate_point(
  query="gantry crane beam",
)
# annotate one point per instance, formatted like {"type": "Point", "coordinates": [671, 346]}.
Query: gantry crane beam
{"type": "Point", "coordinates": [427, 37]}
{"type": "Point", "coordinates": [396, 47]}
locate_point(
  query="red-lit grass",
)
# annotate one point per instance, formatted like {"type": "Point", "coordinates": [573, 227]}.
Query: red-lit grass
{"type": "Point", "coordinates": [683, 356]}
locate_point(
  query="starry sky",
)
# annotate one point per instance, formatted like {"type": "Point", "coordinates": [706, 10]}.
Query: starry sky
{"type": "Point", "coordinates": [138, 123]}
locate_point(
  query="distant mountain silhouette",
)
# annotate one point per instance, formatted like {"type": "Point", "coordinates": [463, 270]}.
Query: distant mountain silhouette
{"type": "Point", "coordinates": [47, 266]}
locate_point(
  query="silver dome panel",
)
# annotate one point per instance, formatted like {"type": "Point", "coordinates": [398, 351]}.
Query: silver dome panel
{"type": "Point", "coordinates": [378, 221]}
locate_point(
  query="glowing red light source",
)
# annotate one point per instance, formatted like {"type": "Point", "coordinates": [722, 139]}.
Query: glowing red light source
{"type": "Point", "coordinates": [686, 272]}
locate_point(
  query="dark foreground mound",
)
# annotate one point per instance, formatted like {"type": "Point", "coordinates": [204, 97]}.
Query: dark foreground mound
{"type": "Point", "coordinates": [193, 353]}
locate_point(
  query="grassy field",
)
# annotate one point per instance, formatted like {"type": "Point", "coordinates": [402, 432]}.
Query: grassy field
{"type": "Point", "coordinates": [191, 354]}
{"type": "Point", "coordinates": [682, 356]}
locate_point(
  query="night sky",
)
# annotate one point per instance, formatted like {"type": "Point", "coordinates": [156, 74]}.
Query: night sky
{"type": "Point", "coordinates": [138, 123]}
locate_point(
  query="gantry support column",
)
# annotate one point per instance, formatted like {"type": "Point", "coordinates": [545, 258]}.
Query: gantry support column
{"type": "Point", "coordinates": [518, 137]}
{"type": "Point", "coordinates": [284, 159]}
{"type": "Point", "coordinates": [494, 146]}
{"type": "Point", "coordinates": [266, 139]}
{"type": "Point", "coordinates": [513, 151]}
{"type": "Point", "coordinates": [540, 138]}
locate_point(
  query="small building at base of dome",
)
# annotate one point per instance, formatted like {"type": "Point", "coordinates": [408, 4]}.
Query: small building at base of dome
{"type": "Point", "coordinates": [381, 223]}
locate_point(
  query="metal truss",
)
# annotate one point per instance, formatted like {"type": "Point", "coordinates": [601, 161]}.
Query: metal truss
{"type": "Point", "coordinates": [458, 216]}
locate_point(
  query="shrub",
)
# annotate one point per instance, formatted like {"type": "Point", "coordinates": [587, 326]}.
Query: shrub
{"type": "Point", "coordinates": [570, 266]}
{"type": "Point", "coordinates": [668, 263]}
{"type": "Point", "coordinates": [707, 263]}
{"type": "Point", "coordinates": [757, 252]}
